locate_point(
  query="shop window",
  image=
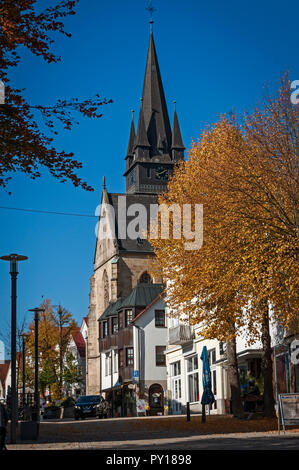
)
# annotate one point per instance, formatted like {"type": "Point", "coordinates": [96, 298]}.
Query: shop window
{"type": "Point", "coordinates": [193, 387]}
{"type": "Point", "coordinates": [193, 378]}
{"type": "Point", "coordinates": [192, 363]}
{"type": "Point", "coordinates": [212, 356]}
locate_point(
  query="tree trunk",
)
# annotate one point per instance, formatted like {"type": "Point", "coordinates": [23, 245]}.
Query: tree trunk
{"type": "Point", "coordinates": [234, 380]}
{"type": "Point", "coordinates": [267, 366]}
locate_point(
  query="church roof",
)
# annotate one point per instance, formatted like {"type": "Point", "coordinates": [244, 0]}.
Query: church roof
{"type": "Point", "coordinates": [177, 141]}
{"type": "Point", "coordinates": [141, 137]}
{"type": "Point", "coordinates": [131, 139]}
{"type": "Point", "coordinates": [112, 309]}
{"type": "Point", "coordinates": [154, 130]}
{"type": "Point", "coordinates": [142, 295]}
{"type": "Point", "coordinates": [127, 244]}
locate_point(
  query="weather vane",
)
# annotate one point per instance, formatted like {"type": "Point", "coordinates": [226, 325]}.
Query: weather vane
{"type": "Point", "coordinates": [151, 9]}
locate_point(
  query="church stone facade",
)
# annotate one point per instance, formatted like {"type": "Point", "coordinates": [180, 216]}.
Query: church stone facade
{"type": "Point", "coordinates": [120, 263]}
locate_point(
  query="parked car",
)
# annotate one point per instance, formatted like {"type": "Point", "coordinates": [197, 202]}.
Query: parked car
{"type": "Point", "coordinates": [89, 405]}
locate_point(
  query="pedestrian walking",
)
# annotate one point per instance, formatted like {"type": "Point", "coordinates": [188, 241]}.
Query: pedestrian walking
{"type": "Point", "coordinates": [3, 425]}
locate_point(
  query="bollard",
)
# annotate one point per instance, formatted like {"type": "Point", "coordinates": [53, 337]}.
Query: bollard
{"type": "Point", "coordinates": [188, 411]}
{"type": "Point", "coordinates": [203, 416]}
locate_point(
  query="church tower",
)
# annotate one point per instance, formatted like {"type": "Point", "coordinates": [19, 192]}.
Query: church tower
{"type": "Point", "coordinates": [154, 150]}
{"type": "Point", "coordinates": [121, 262]}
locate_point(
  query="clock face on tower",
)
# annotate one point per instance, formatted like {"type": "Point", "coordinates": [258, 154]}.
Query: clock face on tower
{"type": "Point", "coordinates": [161, 173]}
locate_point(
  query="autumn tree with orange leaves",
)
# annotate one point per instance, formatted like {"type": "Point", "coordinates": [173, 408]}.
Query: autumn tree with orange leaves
{"type": "Point", "coordinates": [246, 273]}
{"type": "Point", "coordinates": [24, 147]}
{"type": "Point", "coordinates": [56, 327]}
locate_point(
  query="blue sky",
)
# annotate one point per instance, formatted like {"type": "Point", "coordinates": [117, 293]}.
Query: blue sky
{"type": "Point", "coordinates": [214, 56]}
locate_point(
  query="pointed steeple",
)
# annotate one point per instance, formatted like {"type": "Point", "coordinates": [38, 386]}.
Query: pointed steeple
{"type": "Point", "coordinates": [154, 104]}
{"type": "Point", "coordinates": [132, 138]}
{"type": "Point", "coordinates": [141, 137]}
{"type": "Point", "coordinates": [177, 141]}
{"type": "Point", "coordinates": [160, 145]}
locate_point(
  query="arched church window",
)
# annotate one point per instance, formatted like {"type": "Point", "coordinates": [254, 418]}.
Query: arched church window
{"type": "Point", "coordinates": [145, 278]}
{"type": "Point", "coordinates": [106, 289]}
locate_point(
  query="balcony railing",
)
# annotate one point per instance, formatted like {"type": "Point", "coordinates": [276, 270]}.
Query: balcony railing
{"type": "Point", "coordinates": [181, 334]}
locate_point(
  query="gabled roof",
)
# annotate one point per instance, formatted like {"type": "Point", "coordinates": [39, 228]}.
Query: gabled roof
{"type": "Point", "coordinates": [79, 342]}
{"type": "Point", "coordinates": [149, 306]}
{"type": "Point", "coordinates": [4, 368]}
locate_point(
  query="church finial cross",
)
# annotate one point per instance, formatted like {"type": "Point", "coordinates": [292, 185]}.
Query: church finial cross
{"type": "Point", "coordinates": [151, 9]}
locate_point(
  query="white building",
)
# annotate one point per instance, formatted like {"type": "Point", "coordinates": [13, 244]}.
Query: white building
{"type": "Point", "coordinates": [77, 348]}
{"type": "Point", "coordinates": [133, 339]}
{"type": "Point", "coordinates": [150, 340]}
{"type": "Point", "coordinates": [184, 368]}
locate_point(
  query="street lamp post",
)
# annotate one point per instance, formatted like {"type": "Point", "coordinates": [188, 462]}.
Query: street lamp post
{"type": "Point", "coordinates": [13, 259]}
{"type": "Point", "coordinates": [36, 312]}
{"type": "Point", "coordinates": [23, 336]}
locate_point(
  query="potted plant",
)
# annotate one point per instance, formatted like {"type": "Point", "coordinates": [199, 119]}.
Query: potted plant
{"type": "Point", "coordinates": [67, 408]}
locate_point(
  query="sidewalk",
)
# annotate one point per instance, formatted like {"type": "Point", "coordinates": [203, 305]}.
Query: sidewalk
{"type": "Point", "coordinates": [160, 433]}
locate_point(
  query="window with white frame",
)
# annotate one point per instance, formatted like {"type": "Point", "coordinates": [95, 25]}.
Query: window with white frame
{"type": "Point", "coordinates": [115, 361]}
{"type": "Point", "coordinates": [193, 378]}
{"type": "Point", "coordinates": [176, 381]}
{"type": "Point", "coordinates": [212, 362]}
{"type": "Point", "coordinates": [107, 364]}
{"type": "Point", "coordinates": [128, 317]}
{"type": "Point", "coordinates": [176, 368]}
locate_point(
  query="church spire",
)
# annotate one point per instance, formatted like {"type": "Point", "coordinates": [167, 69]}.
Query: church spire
{"type": "Point", "coordinates": [154, 104]}
{"type": "Point", "coordinates": [152, 157]}
{"type": "Point", "coordinates": [141, 137]}
{"type": "Point", "coordinates": [177, 141]}
{"type": "Point", "coordinates": [177, 145]}
{"type": "Point", "coordinates": [132, 137]}
{"type": "Point", "coordinates": [131, 144]}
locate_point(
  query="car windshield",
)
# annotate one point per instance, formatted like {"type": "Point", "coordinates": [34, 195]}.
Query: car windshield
{"type": "Point", "coordinates": [89, 399]}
